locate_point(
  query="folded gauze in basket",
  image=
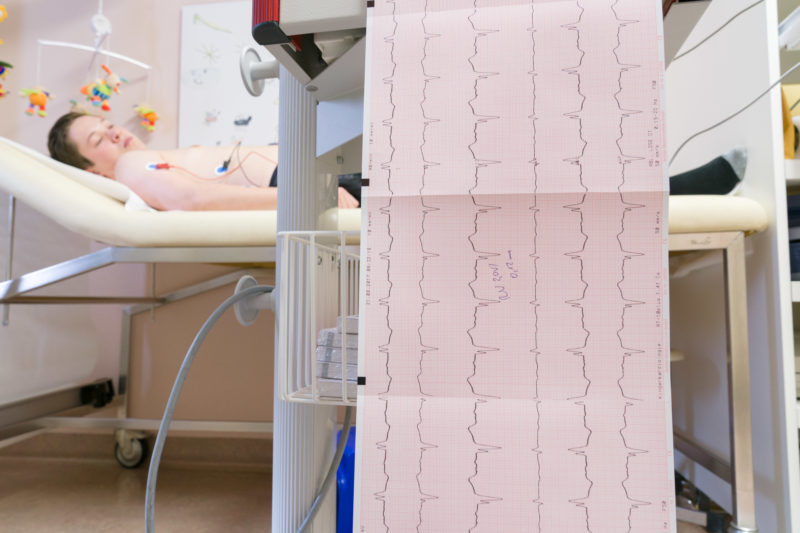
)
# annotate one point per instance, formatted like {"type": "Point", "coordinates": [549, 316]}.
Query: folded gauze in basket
{"type": "Point", "coordinates": [334, 371]}
{"type": "Point", "coordinates": [331, 344]}
{"type": "Point", "coordinates": [331, 354]}
{"type": "Point", "coordinates": [331, 337]}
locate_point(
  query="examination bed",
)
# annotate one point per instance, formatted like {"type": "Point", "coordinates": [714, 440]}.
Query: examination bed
{"type": "Point", "coordinates": [108, 212]}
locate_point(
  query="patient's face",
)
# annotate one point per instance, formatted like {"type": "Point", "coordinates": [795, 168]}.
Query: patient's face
{"type": "Point", "coordinates": [102, 142]}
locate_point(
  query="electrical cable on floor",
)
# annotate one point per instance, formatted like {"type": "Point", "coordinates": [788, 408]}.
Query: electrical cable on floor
{"type": "Point", "coordinates": [169, 410]}
{"type": "Point", "coordinates": [756, 99]}
{"type": "Point", "coordinates": [155, 459]}
{"type": "Point", "coordinates": [751, 6]}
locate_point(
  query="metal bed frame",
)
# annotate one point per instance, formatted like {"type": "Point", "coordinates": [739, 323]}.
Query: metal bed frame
{"type": "Point", "coordinates": [739, 470]}
{"type": "Point", "coordinates": [28, 417]}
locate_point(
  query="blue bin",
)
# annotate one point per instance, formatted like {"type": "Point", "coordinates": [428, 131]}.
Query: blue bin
{"type": "Point", "coordinates": [345, 484]}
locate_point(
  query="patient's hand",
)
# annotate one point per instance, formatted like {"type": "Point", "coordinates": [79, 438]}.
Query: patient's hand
{"type": "Point", "coordinates": [347, 200]}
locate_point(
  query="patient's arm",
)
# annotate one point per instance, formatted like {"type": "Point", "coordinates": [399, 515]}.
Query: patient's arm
{"type": "Point", "coordinates": [173, 189]}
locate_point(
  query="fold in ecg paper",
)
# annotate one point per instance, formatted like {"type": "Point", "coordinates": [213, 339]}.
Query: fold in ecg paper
{"type": "Point", "coordinates": [516, 349]}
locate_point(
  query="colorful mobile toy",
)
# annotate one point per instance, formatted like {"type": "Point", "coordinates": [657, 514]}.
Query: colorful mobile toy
{"type": "Point", "coordinates": [37, 97]}
{"type": "Point", "coordinates": [150, 117]}
{"type": "Point", "coordinates": [3, 15]}
{"type": "Point", "coordinates": [100, 90]}
{"type": "Point", "coordinates": [3, 65]}
{"type": "Point", "coordinates": [3, 71]}
{"type": "Point", "coordinates": [76, 107]}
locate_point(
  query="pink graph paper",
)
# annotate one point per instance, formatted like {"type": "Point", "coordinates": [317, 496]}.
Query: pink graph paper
{"type": "Point", "coordinates": [516, 335]}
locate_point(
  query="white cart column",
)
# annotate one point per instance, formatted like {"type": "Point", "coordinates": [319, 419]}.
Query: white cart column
{"type": "Point", "coordinates": [303, 434]}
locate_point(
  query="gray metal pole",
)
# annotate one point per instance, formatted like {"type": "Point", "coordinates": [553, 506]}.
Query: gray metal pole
{"type": "Point", "coordinates": [303, 434]}
{"type": "Point", "coordinates": [12, 212]}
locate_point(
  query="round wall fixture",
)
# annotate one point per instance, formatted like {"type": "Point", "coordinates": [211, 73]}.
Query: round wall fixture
{"type": "Point", "coordinates": [254, 71]}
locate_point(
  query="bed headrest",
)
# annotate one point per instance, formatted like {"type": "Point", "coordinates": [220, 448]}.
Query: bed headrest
{"type": "Point", "coordinates": [105, 186]}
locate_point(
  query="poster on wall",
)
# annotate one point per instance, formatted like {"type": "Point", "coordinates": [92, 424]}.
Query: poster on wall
{"type": "Point", "coordinates": [215, 109]}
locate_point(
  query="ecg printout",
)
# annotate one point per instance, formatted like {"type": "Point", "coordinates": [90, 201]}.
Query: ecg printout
{"type": "Point", "coordinates": [515, 310]}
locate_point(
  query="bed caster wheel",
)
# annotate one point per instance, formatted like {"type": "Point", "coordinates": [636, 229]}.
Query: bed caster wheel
{"type": "Point", "coordinates": [130, 451]}
{"type": "Point", "coordinates": [133, 456]}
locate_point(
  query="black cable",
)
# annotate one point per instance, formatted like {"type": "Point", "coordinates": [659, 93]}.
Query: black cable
{"type": "Point", "coordinates": [227, 162]}
{"type": "Point", "coordinates": [751, 6]}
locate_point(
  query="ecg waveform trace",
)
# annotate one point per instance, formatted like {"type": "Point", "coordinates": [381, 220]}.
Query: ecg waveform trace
{"type": "Point", "coordinates": [516, 338]}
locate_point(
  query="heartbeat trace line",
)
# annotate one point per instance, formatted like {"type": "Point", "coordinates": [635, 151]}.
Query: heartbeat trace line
{"type": "Point", "coordinates": [481, 399]}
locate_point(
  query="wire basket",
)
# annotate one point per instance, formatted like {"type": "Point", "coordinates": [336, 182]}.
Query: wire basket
{"type": "Point", "coordinates": [317, 316]}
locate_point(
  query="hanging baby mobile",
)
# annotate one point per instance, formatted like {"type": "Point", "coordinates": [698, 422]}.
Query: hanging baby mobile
{"type": "Point", "coordinates": [99, 91]}
{"type": "Point", "coordinates": [37, 98]}
{"type": "Point", "coordinates": [3, 65]}
{"type": "Point", "coordinates": [148, 115]}
{"type": "Point", "coordinates": [3, 71]}
{"type": "Point", "coordinates": [105, 84]}
{"type": "Point", "coordinates": [3, 16]}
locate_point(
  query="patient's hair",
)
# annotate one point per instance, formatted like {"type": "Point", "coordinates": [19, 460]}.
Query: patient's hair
{"type": "Point", "coordinates": [61, 147]}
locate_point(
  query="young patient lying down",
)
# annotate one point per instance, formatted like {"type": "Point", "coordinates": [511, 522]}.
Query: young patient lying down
{"type": "Point", "coordinates": [223, 178]}
{"type": "Point", "coordinates": [190, 179]}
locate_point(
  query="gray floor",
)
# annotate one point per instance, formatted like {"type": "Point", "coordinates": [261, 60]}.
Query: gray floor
{"type": "Point", "coordinates": [62, 483]}
{"type": "Point", "coordinates": [40, 495]}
